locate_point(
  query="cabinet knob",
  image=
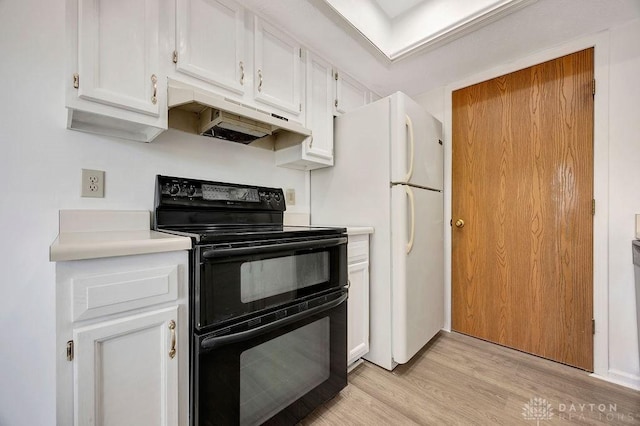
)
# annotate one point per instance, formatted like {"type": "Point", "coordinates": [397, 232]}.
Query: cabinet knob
{"type": "Point", "coordinates": [154, 81]}
{"type": "Point", "coordinates": [172, 327]}
{"type": "Point", "coordinates": [460, 223]}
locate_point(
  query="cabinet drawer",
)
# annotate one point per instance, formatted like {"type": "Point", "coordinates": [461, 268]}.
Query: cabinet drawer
{"type": "Point", "coordinates": [98, 295]}
{"type": "Point", "coordinates": [357, 251]}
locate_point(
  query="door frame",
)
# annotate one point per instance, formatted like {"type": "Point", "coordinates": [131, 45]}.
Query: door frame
{"type": "Point", "coordinates": [600, 43]}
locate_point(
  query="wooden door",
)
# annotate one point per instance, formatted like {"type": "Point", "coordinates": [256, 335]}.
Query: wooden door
{"type": "Point", "coordinates": [522, 267]}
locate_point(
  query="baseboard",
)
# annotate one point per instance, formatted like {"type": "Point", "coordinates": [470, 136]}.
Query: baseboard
{"type": "Point", "coordinates": [621, 378]}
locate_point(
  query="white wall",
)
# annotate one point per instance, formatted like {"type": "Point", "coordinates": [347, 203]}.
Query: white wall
{"type": "Point", "coordinates": [624, 198]}
{"type": "Point", "coordinates": [617, 157]}
{"type": "Point", "coordinates": [40, 165]}
{"type": "Point", "coordinates": [433, 102]}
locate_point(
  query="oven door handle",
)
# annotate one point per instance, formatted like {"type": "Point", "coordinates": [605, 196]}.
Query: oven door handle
{"type": "Point", "coordinates": [210, 343]}
{"type": "Point", "coordinates": [297, 245]}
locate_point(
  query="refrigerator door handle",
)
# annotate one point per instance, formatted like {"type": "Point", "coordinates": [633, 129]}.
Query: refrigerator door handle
{"type": "Point", "coordinates": [413, 218]}
{"type": "Point", "coordinates": [407, 177]}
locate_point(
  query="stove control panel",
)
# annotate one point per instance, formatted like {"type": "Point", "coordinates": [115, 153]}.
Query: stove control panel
{"type": "Point", "coordinates": [173, 191]}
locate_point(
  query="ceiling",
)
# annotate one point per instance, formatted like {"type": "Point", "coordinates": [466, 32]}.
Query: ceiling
{"type": "Point", "coordinates": [393, 8]}
{"type": "Point", "coordinates": [403, 27]}
{"type": "Point", "coordinates": [538, 26]}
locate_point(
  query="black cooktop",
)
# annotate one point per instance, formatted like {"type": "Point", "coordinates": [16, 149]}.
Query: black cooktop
{"type": "Point", "coordinates": [211, 212]}
{"type": "Point", "coordinates": [211, 235]}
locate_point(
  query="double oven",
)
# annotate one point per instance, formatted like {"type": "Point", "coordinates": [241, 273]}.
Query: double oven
{"type": "Point", "coordinates": [267, 303]}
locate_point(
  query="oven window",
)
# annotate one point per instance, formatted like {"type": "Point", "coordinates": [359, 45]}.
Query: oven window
{"type": "Point", "coordinates": [279, 371]}
{"type": "Point", "coordinates": [264, 278]}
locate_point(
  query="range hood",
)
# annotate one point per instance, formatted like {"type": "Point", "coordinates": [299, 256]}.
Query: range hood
{"type": "Point", "coordinates": [200, 112]}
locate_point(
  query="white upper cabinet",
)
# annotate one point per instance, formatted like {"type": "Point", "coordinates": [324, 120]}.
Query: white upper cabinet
{"type": "Point", "coordinates": [277, 64]}
{"type": "Point", "coordinates": [210, 42]}
{"type": "Point", "coordinates": [349, 93]}
{"type": "Point", "coordinates": [317, 150]}
{"type": "Point", "coordinates": [320, 108]}
{"type": "Point", "coordinates": [114, 68]}
{"type": "Point", "coordinates": [118, 53]}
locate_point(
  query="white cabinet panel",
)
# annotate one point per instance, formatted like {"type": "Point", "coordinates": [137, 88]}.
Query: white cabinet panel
{"type": "Point", "coordinates": [349, 93]}
{"type": "Point", "coordinates": [105, 294]}
{"type": "Point", "coordinates": [210, 42]}
{"type": "Point", "coordinates": [358, 312]}
{"type": "Point", "coordinates": [118, 53]}
{"type": "Point", "coordinates": [125, 372]}
{"type": "Point", "coordinates": [358, 305]}
{"type": "Point", "coordinates": [277, 77]}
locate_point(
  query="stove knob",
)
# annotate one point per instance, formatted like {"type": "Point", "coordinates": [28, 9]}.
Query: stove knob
{"type": "Point", "coordinates": [277, 197]}
{"type": "Point", "coordinates": [174, 189]}
{"type": "Point", "coordinates": [191, 191]}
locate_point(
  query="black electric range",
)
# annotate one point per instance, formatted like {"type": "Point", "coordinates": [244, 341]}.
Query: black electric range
{"type": "Point", "coordinates": [263, 297]}
{"type": "Point", "coordinates": [211, 212]}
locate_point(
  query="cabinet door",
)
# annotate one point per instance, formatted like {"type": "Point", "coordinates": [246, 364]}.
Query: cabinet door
{"type": "Point", "coordinates": [118, 53]}
{"type": "Point", "coordinates": [277, 79]}
{"type": "Point", "coordinates": [210, 42]}
{"type": "Point", "coordinates": [319, 98]}
{"type": "Point", "coordinates": [124, 372]}
{"type": "Point", "coordinates": [358, 312]}
{"type": "Point", "coordinates": [349, 94]}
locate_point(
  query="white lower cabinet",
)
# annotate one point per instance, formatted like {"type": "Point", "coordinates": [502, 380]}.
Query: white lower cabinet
{"type": "Point", "coordinates": [358, 304]}
{"type": "Point", "coordinates": [126, 370]}
{"type": "Point", "coordinates": [122, 341]}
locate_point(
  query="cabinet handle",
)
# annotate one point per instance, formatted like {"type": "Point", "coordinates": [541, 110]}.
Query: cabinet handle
{"type": "Point", "coordinates": [154, 80]}
{"type": "Point", "coordinates": [172, 327]}
{"type": "Point", "coordinates": [260, 78]}
{"type": "Point", "coordinates": [241, 73]}
{"type": "Point", "coordinates": [311, 142]}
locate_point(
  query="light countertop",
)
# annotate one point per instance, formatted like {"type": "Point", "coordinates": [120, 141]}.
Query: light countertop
{"type": "Point", "coordinates": [358, 230]}
{"type": "Point", "coordinates": [90, 234]}
{"type": "Point", "coordinates": [351, 230]}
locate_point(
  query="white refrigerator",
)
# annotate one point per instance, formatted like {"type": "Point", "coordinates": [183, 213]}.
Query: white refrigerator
{"type": "Point", "coordinates": [388, 174]}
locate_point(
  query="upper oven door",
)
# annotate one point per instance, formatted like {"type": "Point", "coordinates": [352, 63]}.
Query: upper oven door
{"type": "Point", "coordinates": [238, 279]}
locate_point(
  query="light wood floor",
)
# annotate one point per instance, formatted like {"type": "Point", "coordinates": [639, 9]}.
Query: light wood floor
{"type": "Point", "coordinates": [459, 380]}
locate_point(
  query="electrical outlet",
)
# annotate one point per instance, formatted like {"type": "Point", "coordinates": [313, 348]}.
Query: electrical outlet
{"type": "Point", "coordinates": [290, 196]}
{"type": "Point", "coordinates": [92, 183]}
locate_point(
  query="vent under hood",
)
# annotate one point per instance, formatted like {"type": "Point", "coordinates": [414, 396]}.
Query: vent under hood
{"type": "Point", "coordinates": [197, 111]}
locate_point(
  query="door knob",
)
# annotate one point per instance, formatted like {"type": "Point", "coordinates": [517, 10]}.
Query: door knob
{"type": "Point", "coordinates": [459, 223]}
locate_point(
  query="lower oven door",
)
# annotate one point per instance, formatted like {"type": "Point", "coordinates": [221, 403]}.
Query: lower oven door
{"type": "Point", "coordinates": [236, 280]}
{"type": "Point", "coordinates": [272, 369]}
